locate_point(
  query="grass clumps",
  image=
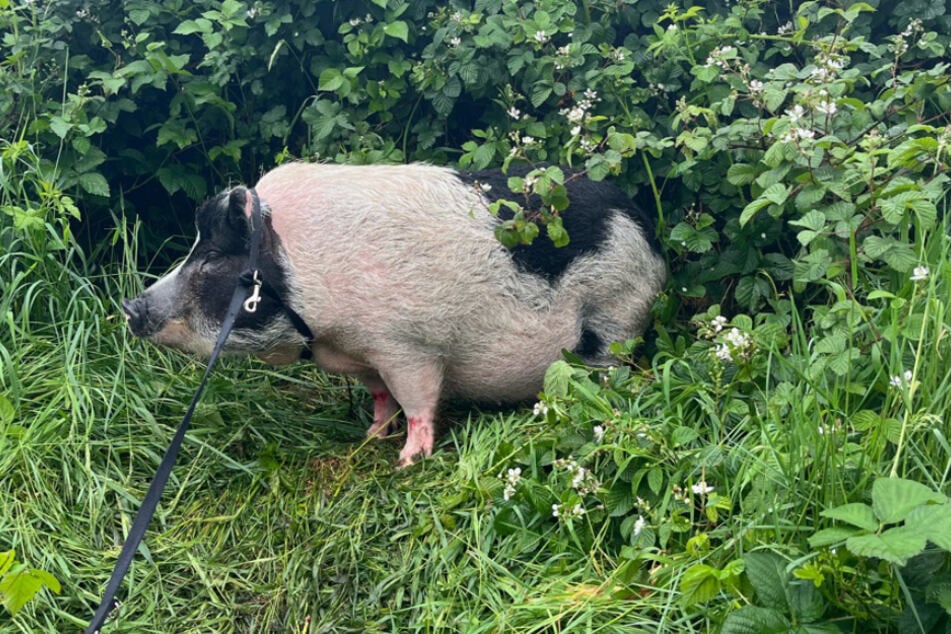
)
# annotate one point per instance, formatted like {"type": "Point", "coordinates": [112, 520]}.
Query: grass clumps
{"type": "Point", "coordinates": [774, 458]}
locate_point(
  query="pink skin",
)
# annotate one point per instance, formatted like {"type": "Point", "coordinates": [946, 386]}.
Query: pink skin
{"type": "Point", "coordinates": [385, 408]}
{"type": "Point", "coordinates": [416, 387]}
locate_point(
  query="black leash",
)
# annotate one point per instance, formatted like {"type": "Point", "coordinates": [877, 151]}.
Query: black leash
{"type": "Point", "coordinates": [239, 301]}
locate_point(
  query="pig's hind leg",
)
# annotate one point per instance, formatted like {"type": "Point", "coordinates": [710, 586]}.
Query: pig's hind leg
{"type": "Point", "coordinates": [385, 407]}
{"type": "Point", "coordinates": [416, 388]}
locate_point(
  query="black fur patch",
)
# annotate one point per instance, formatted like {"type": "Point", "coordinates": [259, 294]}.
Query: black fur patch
{"type": "Point", "coordinates": [586, 219]}
{"type": "Point", "coordinates": [221, 256]}
{"type": "Point", "coordinates": [589, 345]}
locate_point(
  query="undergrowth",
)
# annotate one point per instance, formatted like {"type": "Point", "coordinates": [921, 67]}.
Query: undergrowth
{"type": "Point", "coordinates": [775, 459]}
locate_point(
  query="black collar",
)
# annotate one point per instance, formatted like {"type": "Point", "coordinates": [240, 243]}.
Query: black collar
{"type": "Point", "coordinates": [252, 278]}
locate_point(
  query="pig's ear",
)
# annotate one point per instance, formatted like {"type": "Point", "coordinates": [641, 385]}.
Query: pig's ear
{"type": "Point", "coordinates": [238, 210]}
{"type": "Point", "coordinates": [238, 203]}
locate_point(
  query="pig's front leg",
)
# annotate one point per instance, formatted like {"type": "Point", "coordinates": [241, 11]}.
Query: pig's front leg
{"type": "Point", "coordinates": [385, 407]}
{"type": "Point", "coordinates": [416, 388]}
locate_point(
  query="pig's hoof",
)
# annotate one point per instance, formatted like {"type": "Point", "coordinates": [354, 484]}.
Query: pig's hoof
{"type": "Point", "coordinates": [410, 457]}
{"type": "Point", "coordinates": [379, 430]}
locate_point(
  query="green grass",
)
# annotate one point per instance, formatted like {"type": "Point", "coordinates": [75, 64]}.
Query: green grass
{"type": "Point", "coordinates": [280, 518]}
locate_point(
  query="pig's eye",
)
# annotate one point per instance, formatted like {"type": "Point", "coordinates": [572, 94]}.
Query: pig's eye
{"type": "Point", "coordinates": [212, 255]}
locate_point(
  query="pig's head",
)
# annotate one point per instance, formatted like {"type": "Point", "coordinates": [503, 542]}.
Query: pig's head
{"type": "Point", "coordinates": [185, 308]}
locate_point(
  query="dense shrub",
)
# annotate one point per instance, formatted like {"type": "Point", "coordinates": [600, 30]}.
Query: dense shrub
{"type": "Point", "coordinates": [786, 446]}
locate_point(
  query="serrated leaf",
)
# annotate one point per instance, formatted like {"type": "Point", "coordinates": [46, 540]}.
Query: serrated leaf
{"type": "Point", "coordinates": [896, 545]}
{"type": "Point", "coordinates": [655, 479]}
{"type": "Point", "coordinates": [815, 220]}
{"type": "Point", "coordinates": [619, 499]}
{"type": "Point", "coordinates": [829, 536]}
{"type": "Point", "coordinates": [683, 435]}
{"type": "Point", "coordinates": [901, 257]}
{"type": "Point", "coordinates": [557, 378]}
{"type": "Point", "coordinates": [94, 183]}
{"type": "Point", "coordinates": [741, 174]}
{"type": "Point", "coordinates": [809, 196]}
{"type": "Point", "coordinates": [7, 559]}
{"type": "Point", "coordinates": [767, 574]}
{"type": "Point", "coordinates": [751, 619]}
{"type": "Point", "coordinates": [934, 521]}
{"type": "Point", "coordinates": [19, 587]}
{"type": "Point", "coordinates": [699, 584]}
{"type": "Point", "coordinates": [60, 126]}
{"type": "Point", "coordinates": [894, 498]}
{"type": "Point", "coordinates": [777, 193]}
{"type": "Point", "coordinates": [806, 603]}
{"type": "Point", "coordinates": [330, 79]}
{"type": "Point", "coordinates": [540, 93]}
{"type": "Point", "coordinates": [750, 210]}
{"type": "Point", "coordinates": [856, 514]}
{"type": "Point", "coordinates": [397, 29]}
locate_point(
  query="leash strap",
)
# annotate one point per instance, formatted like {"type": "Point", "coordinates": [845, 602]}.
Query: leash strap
{"type": "Point", "coordinates": [154, 494]}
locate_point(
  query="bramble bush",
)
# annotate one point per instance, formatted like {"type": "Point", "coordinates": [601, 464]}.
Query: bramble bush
{"type": "Point", "coordinates": [782, 457]}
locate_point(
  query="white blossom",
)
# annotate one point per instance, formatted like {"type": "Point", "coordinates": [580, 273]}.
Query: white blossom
{"type": "Point", "coordinates": [827, 107]}
{"type": "Point", "coordinates": [796, 113]}
{"type": "Point", "coordinates": [639, 525]}
{"type": "Point", "coordinates": [719, 323]}
{"type": "Point", "coordinates": [540, 409]}
{"type": "Point", "coordinates": [560, 511]}
{"type": "Point", "coordinates": [920, 274]}
{"type": "Point", "coordinates": [701, 488]}
{"type": "Point", "coordinates": [514, 112]}
{"type": "Point", "coordinates": [541, 37]}
{"type": "Point", "coordinates": [900, 380]}
{"type": "Point", "coordinates": [512, 478]}
{"type": "Point", "coordinates": [598, 433]}
{"type": "Point", "coordinates": [576, 114]}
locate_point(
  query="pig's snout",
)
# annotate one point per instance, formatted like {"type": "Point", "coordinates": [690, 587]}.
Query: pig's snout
{"type": "Point", "coordinates": [137, 315]}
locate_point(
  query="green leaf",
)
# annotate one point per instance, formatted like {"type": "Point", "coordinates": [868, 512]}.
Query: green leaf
{"type": "Point", "coordinates": [556, 233]}
{"type": "Point", "coordinates": [7, 414]}
{"type": "Point", "coordinates": [751, 619]}
{"type": "Point", "coordinates": [95, 183]}
{"type": "Point", "coordinates": [934, 522]}
{"type": "Point", "coordinates": [809, 196]}
{"type": "Point", "coordinates": [397, 29]}
{"type": "Point", "coordinates": [894, 498]}
{"type": "Point", "coordinates": [18, 587]}
{"type": "Point", "coordinates": [830, 536]}
{"type": "Point", "coordinates": [856, 514]}
{"type": "Point", "coordinates": [776, 193]}
{"type": "Point", "coordinates": [697, 241]}
{"type": "Point", "coordinates": [540, 93]}
{"type": "Point", "coordinates": [699, 584]}
{"type": "Point", "coordinates": [330, 79]}
{"type": "Point", "coordinates": [7, 559]}
{"type": "Point", "coordinates": [750, 210]}
{"type": "Point", "coordinates": [767, 574]}
{"type": "Point", "coordinates": [896, 545]}
{"type": "Point", "coordinates": [655, 479]}
{"type": "Point", "coordinates": [557, 378]}
{"type": "Point", "coordinates": [806, 603]}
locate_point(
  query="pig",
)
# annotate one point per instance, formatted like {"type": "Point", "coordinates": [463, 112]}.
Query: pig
{"type": "Point", "coordinates": [397, 272]}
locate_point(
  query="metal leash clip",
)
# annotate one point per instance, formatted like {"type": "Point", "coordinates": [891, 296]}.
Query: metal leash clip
{"type": "Point", "coordinates": [251, 303]}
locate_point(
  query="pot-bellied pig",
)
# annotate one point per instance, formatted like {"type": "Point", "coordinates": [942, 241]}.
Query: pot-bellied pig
{"type": "Point", "coordinates": [397, 272]}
